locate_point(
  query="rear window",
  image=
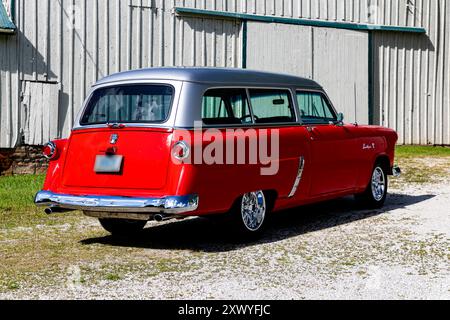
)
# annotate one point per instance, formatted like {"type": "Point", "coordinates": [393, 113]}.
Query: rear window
{"type": "Point", "coordinates": [272, 106]}
{"type": "Point", "coordinates": [129, 104]}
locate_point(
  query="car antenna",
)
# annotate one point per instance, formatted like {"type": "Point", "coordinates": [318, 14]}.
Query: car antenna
{"type": "Point", "coordinates": [356, 108]}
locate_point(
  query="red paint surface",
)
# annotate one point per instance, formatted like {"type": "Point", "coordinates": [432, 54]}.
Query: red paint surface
{"type": "Point", "coordinates": [336, 164]}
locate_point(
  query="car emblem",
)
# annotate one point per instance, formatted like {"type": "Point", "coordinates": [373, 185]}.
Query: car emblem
{"type": "Point", "coordinates": [369, 146]}
{"type": "Point", "coordinates": [114, 138]}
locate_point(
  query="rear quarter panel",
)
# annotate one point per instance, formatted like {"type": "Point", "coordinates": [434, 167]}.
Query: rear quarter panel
{"type": "Point", "coordinates": [220, 185]}
{"type": "Point", "coordinates": [374, 143]}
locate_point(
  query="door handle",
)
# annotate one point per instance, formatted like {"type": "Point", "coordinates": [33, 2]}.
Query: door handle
{"type": "Point", "coordinates": [311, 131]}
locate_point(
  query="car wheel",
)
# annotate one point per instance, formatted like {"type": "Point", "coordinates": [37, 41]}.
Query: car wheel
{"type": "Point", "coordinates": [122, 227]}
{"type": "Point", "coordinates": [376, 192]}
{"type": "Point", "coordinates": [250, 213]}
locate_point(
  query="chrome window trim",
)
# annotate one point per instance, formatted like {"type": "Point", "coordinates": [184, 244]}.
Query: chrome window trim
{"type": "Point", "coordinates": [127, 125]}
{"type": "Point", "coordinates": [250, 106]}
{"type": "Point", "coordinates": [244, 126]}
{"type": "Point", "coordinates": [298, 179]}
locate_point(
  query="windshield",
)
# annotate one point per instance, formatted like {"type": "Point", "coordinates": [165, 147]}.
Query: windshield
{"type": "Point", "coordinates": [129, 104]}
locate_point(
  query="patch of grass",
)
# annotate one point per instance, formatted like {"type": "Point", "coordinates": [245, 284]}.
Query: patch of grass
{"type": "Point", "coordinates": [39, 249]}
{"type": "Point", "coordinates": [113, 277]}
{"type": "Point", "coordinates": [17, 192]}
{"type": "Point", "coordinates": [17, 207]}
{"type": "Point", "coordinates": [422, 164]}
{"type": "Point", "coordinates": [167, 265]}
{"type": "Point", "coordinates": [422, 151]}
{"type": "Point", "coordinates": [12, 285]}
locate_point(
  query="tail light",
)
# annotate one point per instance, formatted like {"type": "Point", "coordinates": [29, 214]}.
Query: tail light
{"type": "Point", "coordinates": [181, 151]}
{"type": "Point", "coordinates": [50, 151]}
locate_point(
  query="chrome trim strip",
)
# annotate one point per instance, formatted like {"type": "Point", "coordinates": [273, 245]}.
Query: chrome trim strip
{"type": "Point", "coordinates": [301, 167]}
{"type": "Point", "coordinates": [169, 205]}
{"type": "Point", "coordinates": [127, 126]}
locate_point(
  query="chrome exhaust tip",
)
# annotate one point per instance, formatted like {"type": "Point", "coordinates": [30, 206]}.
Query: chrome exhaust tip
{"type": "Point", "coordinates": [52, 210]}
{"type": "Point", "coordinates": [161, 217]}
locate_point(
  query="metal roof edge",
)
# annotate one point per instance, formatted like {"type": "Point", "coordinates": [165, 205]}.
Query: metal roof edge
{"type": "Point", "coordinates": [297, 21]}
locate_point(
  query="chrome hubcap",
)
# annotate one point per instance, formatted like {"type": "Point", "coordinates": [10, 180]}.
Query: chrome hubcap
{"type": "Point", "coordinates": [378, 184]}
{"type": "Point", "coordinates": [253, 210]}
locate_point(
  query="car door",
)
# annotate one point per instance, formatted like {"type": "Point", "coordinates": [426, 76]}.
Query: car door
{"type": "Point", "coordinates": [332, 145]}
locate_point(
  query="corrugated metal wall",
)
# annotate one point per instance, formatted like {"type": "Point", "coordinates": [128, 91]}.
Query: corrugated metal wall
{"type": "Point", "coordinates": [9, 92]}
{"type": "Point", "coordinates": [386, 12]}
{"type": "Point", "coordinates": [117, 35]}
{"type": "Point", "coordinates": [112, 36]}
{"type": "Point", "coordinates": [412, 77]}
{"type": "Point", "coordinates": [336, 58]}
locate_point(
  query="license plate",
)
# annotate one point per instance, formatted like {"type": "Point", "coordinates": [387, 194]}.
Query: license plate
{"type": "Point", "coordinates": [108, 164]}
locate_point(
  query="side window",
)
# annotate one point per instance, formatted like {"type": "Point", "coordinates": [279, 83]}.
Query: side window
{"type": "Point", "coordinates": [272, 106]}
{"type": "Point", "coordinates": [314, 108]}
{"type": "Point", "coordinates": [226, 107]}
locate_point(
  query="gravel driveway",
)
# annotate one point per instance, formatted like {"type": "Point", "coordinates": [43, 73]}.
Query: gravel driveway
{"type": "Point", "coordinates": [327, 251]}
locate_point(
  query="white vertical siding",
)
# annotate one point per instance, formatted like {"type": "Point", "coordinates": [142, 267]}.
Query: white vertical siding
{"type": "Point", "coordinates": [390, 12]}
{"type": "Point", "coordinates": [40, 104]}
{"type": "Point", "coordinates": [268, 49]}
{"type": "Point", "coordinates": [411, 72]}
{"type": "Point", "coordinates": [71, 44]}
{"type": "Point", "coordinates": [9, 92]}
{"type": "Point", "coordinates": [341, 66]}
{"type": "Point", "coordinates": [337, 59]}
{"type": "Point", "coordinates": [412, 77]}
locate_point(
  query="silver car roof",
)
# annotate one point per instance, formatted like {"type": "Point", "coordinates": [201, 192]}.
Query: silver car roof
{"type": "Point", "coordinates": [222, 76]}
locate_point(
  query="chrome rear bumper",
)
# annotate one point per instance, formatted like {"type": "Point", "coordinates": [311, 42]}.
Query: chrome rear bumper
{"type": "Point", "coordinates": [167, 205]}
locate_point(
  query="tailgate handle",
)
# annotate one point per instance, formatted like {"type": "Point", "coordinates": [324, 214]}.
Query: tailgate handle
{"type": "Point", "coordinates": [116, 125]}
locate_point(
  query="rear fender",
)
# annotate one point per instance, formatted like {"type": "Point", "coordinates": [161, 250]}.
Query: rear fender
{"type": "Point", "coordinates": [55, 166]}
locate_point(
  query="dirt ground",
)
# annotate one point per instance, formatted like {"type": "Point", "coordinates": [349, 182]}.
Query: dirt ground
{"type": "Point", "coordinates": [328, 251]}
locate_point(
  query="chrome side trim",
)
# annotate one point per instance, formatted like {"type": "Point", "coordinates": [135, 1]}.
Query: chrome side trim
{"type": "Point", "coordinates": [301, 167]}
{"type": "Point", "coordinates": [169, 205]}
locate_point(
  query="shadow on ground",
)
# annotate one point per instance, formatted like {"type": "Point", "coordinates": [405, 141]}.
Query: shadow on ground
{"type": "Point", "coordinates": [206, 235]}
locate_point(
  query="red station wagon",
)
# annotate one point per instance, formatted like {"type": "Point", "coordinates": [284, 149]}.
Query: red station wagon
{"type": "Point", "coordinates": [158, 144]}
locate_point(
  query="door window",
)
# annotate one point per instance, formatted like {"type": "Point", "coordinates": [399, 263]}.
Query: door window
{"type": "Point", "coordinates": [315, 108]}
{"type": "Point", "coordinates": [272, 106]}
{"type": "Point", "coordinates": [226, 107]}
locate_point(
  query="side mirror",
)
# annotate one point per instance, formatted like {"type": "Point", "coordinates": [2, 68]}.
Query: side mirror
{"type": "Point", "coordinates": [340, 119]}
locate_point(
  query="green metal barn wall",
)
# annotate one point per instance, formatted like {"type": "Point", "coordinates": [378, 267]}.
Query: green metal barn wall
{"type": "Point", "coordinates": [63, 46]}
